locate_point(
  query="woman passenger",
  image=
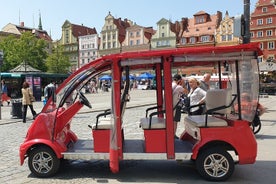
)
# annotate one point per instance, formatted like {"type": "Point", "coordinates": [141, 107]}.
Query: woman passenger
{"type": "Point", "coordinates": [197, 96]}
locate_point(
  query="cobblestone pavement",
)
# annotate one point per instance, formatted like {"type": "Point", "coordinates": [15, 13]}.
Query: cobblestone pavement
{"type": "Point", "coordinates": [12, 133]}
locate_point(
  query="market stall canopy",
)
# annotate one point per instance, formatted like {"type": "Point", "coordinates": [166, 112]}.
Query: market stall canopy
{"type": "Point", "coordinates": [24, 68]}
{"type": "Point", "coordinates": [105, 77]}
{"type": "Point", "coordinates": [145, 75]}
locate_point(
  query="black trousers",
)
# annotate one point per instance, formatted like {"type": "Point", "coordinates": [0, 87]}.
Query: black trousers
{"type": "Point", "coordinates": [25, 111]}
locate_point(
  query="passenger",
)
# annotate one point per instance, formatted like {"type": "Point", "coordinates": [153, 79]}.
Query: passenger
{"type": "Point", "coordinates": [178, 90]}
{"type": "Point", "coordinates": [205, 82]}
{"type": "Point", "coordinates": [197, 96]}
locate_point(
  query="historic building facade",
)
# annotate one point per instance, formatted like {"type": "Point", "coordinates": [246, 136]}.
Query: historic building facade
{"type": "Point", "coordinates": [263, 30]}
{"type": "Point", "coordinates": [165, 36]}
{"type": "Point", "coordinates": [113, 35]}
{"type": "Point", "coordinates": [224, 34]}
{"type": "Point", "coordinates": [200, 30]}
{"type": "Point", "coordinates": [137, 38]}
{"type": "Point", "coordinates": [88, 48]}
{"type": "Point", "coordinates": [70, 41]}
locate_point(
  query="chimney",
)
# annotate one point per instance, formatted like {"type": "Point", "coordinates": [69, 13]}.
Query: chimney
{"type": "Point", "coordinates": [22, 24]}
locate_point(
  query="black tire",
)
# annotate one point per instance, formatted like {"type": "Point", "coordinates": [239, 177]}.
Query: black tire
{"type": "Point", "coordinates": [43, 162]}
{"type": "Point", "coordinates": [215, 164]}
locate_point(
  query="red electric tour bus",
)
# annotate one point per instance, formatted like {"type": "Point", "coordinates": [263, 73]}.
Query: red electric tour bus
{"type": "Point", "coordinates": [215, 141]}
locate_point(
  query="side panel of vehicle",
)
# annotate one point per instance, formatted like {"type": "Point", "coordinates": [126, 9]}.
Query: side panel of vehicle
{"type": "Point", "coordinates": [230, 138]}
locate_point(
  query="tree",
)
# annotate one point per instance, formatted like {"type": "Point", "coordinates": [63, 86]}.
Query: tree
{"type": "Point", "coordinates": [26, 49]}
{"type": "Point", "coordinates": [57, 62]}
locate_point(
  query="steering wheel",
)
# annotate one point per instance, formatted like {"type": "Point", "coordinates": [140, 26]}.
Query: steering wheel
{"type": "Point", "coordinates": [84, 100]}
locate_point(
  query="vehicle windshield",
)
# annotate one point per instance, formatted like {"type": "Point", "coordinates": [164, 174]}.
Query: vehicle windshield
{"type": "Point", "coordinates": [249, 88]}
{"type": "Point", "coordinates": [66, 93]}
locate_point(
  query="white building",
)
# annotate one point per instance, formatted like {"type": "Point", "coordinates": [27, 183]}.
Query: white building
{"type": "Point", "coordinates": [88, 48]}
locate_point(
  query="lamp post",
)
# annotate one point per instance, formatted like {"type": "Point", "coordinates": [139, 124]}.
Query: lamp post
{"type": "Point", "coordinates": [246, 14]}
{"type": "Point", "coordinates": [1, 62]}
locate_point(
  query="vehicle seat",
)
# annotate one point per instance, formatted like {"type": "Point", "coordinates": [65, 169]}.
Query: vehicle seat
{"type": "Point", "coordinates": [103, 120]}
{"type": "Point", "coordinates": [218, 102]}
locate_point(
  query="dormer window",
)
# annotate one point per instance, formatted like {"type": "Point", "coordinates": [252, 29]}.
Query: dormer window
{"type": "Point", "coordinates": [199, 19]}
{"type": "Point", "coordinates": [264, 9]}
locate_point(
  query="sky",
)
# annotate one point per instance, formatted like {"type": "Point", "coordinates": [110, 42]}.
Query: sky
{"type": "Point", "coordinates": [91, 13]}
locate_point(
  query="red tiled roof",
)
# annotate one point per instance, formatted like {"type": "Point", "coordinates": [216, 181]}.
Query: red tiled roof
{"type": "Point", "coordinates": [121, 26]}
{"type": "Point", "coordinates": [206, 28]}
{"type": "Point", "coordinates": [80, 30]}
{"type": "Point", "coordinates": [200, 13]}
{"type": "Point", "coordinates": [42, 34]}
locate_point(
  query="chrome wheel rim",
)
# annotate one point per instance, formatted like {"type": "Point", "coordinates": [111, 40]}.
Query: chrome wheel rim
{"type": "Point", "coordinates": [216, 165]}
{"type": "Point", "coordinates": [42, 162]}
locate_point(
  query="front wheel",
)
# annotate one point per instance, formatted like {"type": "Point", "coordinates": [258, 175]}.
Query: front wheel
{"type": "Point", "coordinates": [215, 164]}
{"type": "Point", "coordinates": [43, 162]}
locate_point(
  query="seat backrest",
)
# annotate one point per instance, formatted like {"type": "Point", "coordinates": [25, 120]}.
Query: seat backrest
{"type": "Point", "coordinates": [218, 98]}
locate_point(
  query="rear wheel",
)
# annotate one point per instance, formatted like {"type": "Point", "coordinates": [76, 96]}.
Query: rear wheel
{"type": "Point", "coordinates": [43, 162]}
{"type": "Point", "coordinates": [215, 164]}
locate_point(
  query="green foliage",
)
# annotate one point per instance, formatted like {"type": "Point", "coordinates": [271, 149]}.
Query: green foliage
{"type": "Point", "coordinates": [27, 49]}
{"type": "Point", "coordinates": [57, 62]}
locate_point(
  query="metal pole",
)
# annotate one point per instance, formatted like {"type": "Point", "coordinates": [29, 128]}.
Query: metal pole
{"type": "Point", "coordinates": [1, 62]}
{"type": "Point", "coordinates": [246, 37]}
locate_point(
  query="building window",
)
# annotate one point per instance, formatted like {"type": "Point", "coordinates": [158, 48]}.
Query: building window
{"type": "Point", "coordinates": [114, 44]}
{"type": "Point", "coordinates": [183, 41]}
{"type": "Point", "coordinates": [259, 34]}
{"type": "Point", "coordinates": [199, 19]}
{"type": "Point", "coordinates": [264, 9]}
{"type": "Point", "coordinates": [162, 35]}
{"type": "Point", "coordinates": [192, 40]}
{"type": "Point", "coordinates": [109, 45]}
{"type": "Point", "coordinates": [252, 34]}
{"type": "Point", "coordinates": [261, 46]}
{"type": "Point", "coordinates": [113, 36]}
{"type": "Point", "coordinates": [205, 38]}
{"type": "Point", "coordinates": [270, 45]}
{"type": "Point", "coordinates": [131, 42]}
{"type": "Point", "coordinates": [269, 33]}
{"type": "Point", "coordinates": [223, 37]}
{"type": "Point", "coordinates": [67, 36]}
{"type": "Point", "coordinates": [138, 33]}
{"type": "Point", "coordinates": [230, 37]}
{"type": "Point", "coordinates": [259, 21]}
{"type": "Point", "coordinates": [269, 20]}
{"type": "Point", "coordinates": [137, 42]}
{"type": "Point", "coordinates": [131, 34]}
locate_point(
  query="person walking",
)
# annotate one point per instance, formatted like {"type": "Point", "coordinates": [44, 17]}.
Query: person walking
{"type": "Point", "coordinates": [49, 91]}
{"type": "Point", "coordinates": [4, 95]}
{"type": "Point", "coordinates": [27, 100]}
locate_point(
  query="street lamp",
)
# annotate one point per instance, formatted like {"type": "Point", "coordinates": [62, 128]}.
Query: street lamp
{"type": "Point", "coordinates": [1, 62]}
{"type": "Point", "coordinates": [246, 14]}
